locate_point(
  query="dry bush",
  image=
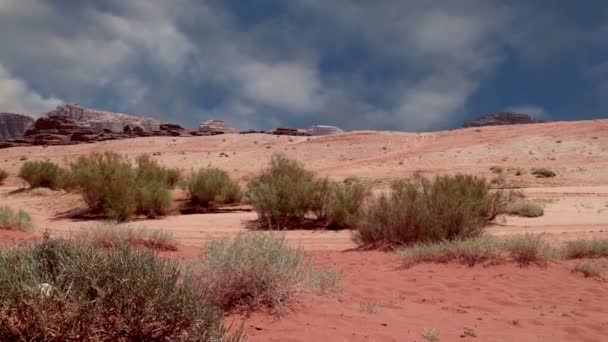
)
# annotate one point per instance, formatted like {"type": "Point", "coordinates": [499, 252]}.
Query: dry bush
{"type": "Point", "coordinates": [525, 209]}
{"type": "Point", "coordinates": [543, 173]}
{"type": "Point", "coordinates": [3, 176]}
{"type": "Point", "coordinates": [153, 198]}
{"type": "Point", "coordinates": [447, 208]}
{"type": "Point", "coordinates": [589, 269]}
{"type": "Point", "coordinates": [528, 248]}
{"type": "Point", "coordinates": [112, 235]}
{"type": "Point", "coordinates": [107, 182]}
{"type": "Point", "coordinates": [257, 269]}
{"type": "Point", "coordinates": [149, 169]}
{"type": "Point", "coordinates": [11, 220]}
{"type": "Point", "coordinates": [585, 249]}
{"type": "Point", "coordinates": [469, 251]}
{"type": "Point", "coordinates": [56, 290]}
{"type": "Point", "coordinates": [212, 185]}
{"type": "Point", "coordinates": [43, 174]}
{"type": "Point", "coordinates": [345, 207]}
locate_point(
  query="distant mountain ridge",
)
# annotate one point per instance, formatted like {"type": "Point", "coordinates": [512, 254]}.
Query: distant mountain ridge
{"type": "Point", "coordinates": [98, 120]}
{"type": "Point", "coordinates": [502, 118]}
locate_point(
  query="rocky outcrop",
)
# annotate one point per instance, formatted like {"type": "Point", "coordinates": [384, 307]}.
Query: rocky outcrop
{"type": "Point", "coordinates": [324, 130]}
{"type": "Point", "coordinates": [98, 120]}
{"type": "Point", "coordinates": [13, 126]}
{"type": "Point", "coordinates": [213, 127]}
{"type": "Point", "coordinates": [503, 118]}
{"type": "Point", "coordinates": [290, 131]}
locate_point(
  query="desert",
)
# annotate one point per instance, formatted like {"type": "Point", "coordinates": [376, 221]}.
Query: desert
{"type": "Point", "coordinates": [380, 298]}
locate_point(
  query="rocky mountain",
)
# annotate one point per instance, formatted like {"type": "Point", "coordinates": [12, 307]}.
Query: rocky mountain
{"type": "Point", "coordinates": [12, 126]}
{"type": "Point", "coordinates": [503, 118]}
{"type": "Point", "coordinates": [98, 120]}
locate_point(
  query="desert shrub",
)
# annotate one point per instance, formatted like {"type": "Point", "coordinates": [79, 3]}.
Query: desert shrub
{"type": "Point", "coordinates": [283, 193]}
{"type": "Point", "coordinates": [11, 220]}
{"type": "Point", "coordinates": [257, 269]}
{"type": "Point", "coordinates": [589, 269]}
{"type": "Point", "coordinates": [585, 249]}
{"type": "Point", "coordinates": [153, 198]}
{"type": "Point", "coordinates": [112, 235]}
{"type": "Point", "coordinates": [107, 182]}
{"type": "Point", "coordinates": [467, 251]}
{"type": "Point", "coordinates": [211, 185]}
{"type": "Point", "coordinates": [525, 209]}
{"type": "Point", "coordinates": [527, 249]}
{"type": "Point", "coordinates": [543, 173]}
{"type": "Point", "coordinates": [345, 206]}
{"type": "Point", "coordinates": [57, 290]}
{"type": "Point", "coordinates": [149, 169]}
{"type": "Point", "coordinates": [42, 174]}
{"type": "Point", "coordinates": [447, 208]}
{"type": "Point", "coordinates": [3, 176]}
{"type": "Point", "coordinates": [351, 179]}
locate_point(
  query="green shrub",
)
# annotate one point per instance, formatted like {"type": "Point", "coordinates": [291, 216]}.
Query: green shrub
{"type": "Point", "coordinates": [257, 269]}
{"type": "Point", "coordinates": [525, 209]}
{"type": "Point", "coordinates": [57, 290]}
{"type": "Point", "coordinates": [42, 174]}
{"type": "Point", "coordinates": [467, 251]}
{"type": "Point", "coordinates": [107, 182]}
{"type": "Point", "coordinates": [585, 249]}
{"type": "Point", "coordinates": [112, 235]}
{"type": "Point", "coordinates": [11, 220]}
{"type": "Point", "coordinates": [448, 208]}
{"type": "Point", "coordinates": [212, 185]}
{"type": "Point", "coordinates": [345, 206]}
{"type": "Point", "coordinates": [148, 169]}
{"type": "Point", "coordinates": [528, 248]}
{"type": "Point", "coordinates": [3, 176]}
{"type": "Point", "coordinates": [283, 193]}
{"type": "Point", "coordinates": [543, 173]}
{"type": "Point", "coordinates": [153, 198]}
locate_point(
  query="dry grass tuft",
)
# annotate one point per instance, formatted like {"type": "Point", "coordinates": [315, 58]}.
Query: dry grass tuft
{"type": "Point", "coordinates": [11, 220]}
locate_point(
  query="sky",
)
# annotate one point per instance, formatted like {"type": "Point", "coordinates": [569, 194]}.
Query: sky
{"type": "Point", "coordinates": [411, 65]}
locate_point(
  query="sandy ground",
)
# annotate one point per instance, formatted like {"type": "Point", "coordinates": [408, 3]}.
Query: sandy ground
{"type": "Point", "coordinates": [502, 303]}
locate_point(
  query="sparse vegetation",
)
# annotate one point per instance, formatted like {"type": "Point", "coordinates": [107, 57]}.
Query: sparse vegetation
{"type": "Point", "coordinates": [585, 249]}
{"type": "Point", "coordinates": [112, 235]}
{"type": "Point", "coordinates": [590, 269]}
{"type": "Point", "coordinates": [543, 173]}
{"type": "Point", "coordinates": [61, 291]}
{"type": "Point", "coordinates": [212, 185]}
{"type": "Point", "coordinates": [3, 176]}
{"type": "Point", "coordinates": [447, 208]}
{"type": "Point", "coordinates": [525, 209]}
{"type": "Point", "coordinates": [345, 206]}
{"type": "Point", "coordinates": [527, 249]}
{"type": "Point", "coordinates": [42, 174]}
{"type": "Point", "coordinates": [370, 308]}
{"type": "Point", "coordinates": [470, 332]}
{"type": "Point", "coordinates": [468, 251]}
{"type": "Point", "coordinates": [150, 169]}
{"type": "Point", "coordinates": [431, 334]}
{"type": "Point", "coordinates": [257, 269]}
{"type": "Point", "coordinates": [14, 220]}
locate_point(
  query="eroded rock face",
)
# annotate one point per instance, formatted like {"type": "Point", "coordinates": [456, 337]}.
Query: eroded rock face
{"type": "Point", "coordinates": [212, 127]}
{"type": "Point", "coordinates": [98, 120]}
{"type": "Point", "coordinates": [13, 126]}
{"type": "Point", "coordinates": [504, 118]}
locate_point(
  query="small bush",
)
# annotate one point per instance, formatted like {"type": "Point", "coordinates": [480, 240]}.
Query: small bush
{"type": "Point", "coordinates": [527, 249]}
{"type": "Point", "coordinates": [259, 269]}
{"type": "Point", "coordinates": [60, 291]}
{"type": "Point", "coordinates": [111, 235]}
{"type": "Point", "coordinates": [448, 208]}
{"type": "Point", "coordinates": [589, 269]}
{"type": "Point", "coordinates": [585, 249]}
{"type": "Point", "coordinates": [108, 183]}
{"type": "Point", "coordinates": [544, 173]}
{"type": "Point", "coordinates": [345, 206]}
{"type": "Point", "coordinates": [153, 198]}
{"type": "Point", "coordinates": [3, 176]}
{"type": "Point", "coordinates": [11, 220]}
{"type": "Point", "coordinates": [525, 209]}
{"type": "Point", "coordinates": [468, 251]}
{"type": "Point", "coordinates": [42, 174]}
{"type": "Point", "coordinates": [148, 169]}
{"type": "Point", "coordinates": [212, 185]}
{"type": "Point", "coordinates": [283, 193]}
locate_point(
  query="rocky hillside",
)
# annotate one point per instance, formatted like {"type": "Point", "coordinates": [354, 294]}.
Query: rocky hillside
{"type": "Point", "coordinates": [13, 126]}
{"type": "Point", "coordinates": [98, 120]}
{"type": "Point", "coordinates": [504, 118]}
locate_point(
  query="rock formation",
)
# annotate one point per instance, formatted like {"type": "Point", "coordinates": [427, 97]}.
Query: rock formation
{"type": "Point", "coordinates": [324, 130]}
{"type": "Point", "coordinates": [503, 118]}
{"type": "Point", "coordinates": [212, 127]}
{"type": "Point", "coordinates": [98, 120]}
{"type": "Point", "coordinates": [291, 131]}
{"type": "Point", "coordinates": [12, 126]}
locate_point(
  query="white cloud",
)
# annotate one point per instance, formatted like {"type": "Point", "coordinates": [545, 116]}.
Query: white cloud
{"type": "Point", "coordinates": [16, 96]}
